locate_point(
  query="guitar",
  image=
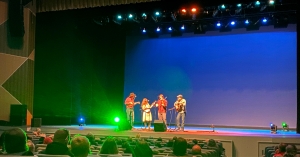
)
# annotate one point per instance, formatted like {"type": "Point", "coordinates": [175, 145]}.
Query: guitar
{"type": "Point", "coordinates": [178, 106]}
{"type": "Point", "coordinates": [147, 110]}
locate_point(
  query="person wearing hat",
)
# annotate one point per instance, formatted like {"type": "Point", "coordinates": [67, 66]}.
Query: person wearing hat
{"type": "Point", "coordinates": [161, 104]}
{"type": "Point", "coordinates": [129, 102]}
{"type": "Point", "coordinates": [180, 106]}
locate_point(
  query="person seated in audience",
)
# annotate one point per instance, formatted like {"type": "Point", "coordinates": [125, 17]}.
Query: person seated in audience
{"type": "Point", "coordinates": [196, 150]}
{"type": "Point", "coordinates": [179, 147]}
{"type": "Point", "coordinates": [59, 144]}
{"type": "Point", "coordinates": [109, 146]}
{"type": "Point", "coordinates": [48, 140]}
{"type": "Point", "coordinates": [291, 151]}
{"type": "Point", "coordinates": [15, 143]}
{"type": "Point", "coordinates": [281, 150]}
{"type": "Point", "coordinates": [91, 138]}
{"type": "Point", "coordinates": [127, 148]}
{"type": "Point", "coordinates": [170, 143]}
{"type": "Point", "coordinates": [80, 146]}
{"type": "Point", "coordinates": [38, 133]}
{"type": "Point", "coordinates": [142, 149]}
{"type": "Point", "coordinates": [31, 146]}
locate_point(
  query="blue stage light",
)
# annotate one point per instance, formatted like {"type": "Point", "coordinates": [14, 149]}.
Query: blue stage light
{"type": "Point", "coordinates": [144, 30]}
{"type": "Point", "coordinates": [119, 17]}
{"type": "Point", "coordinates": [257, 3]}
{"type": "Point", "coordinates": [157, 29]}
{"type": "Point", "coordinates": [271, 2]}
{"type": "Point", "coordinates": [239, 5]}
{"type": "Point", "coordinates": [170, 28]}
{"type": "Point", "coordinates": [182, 27]}
{"type": "Point", "coordinates": [223, 6]}
{"type": "Point", "coordinates": [144, 15]}
{"type": "Point", "coordinates": [232, 23]}
{"type": "Point", "coordinates": [157, 13]}
{"type": "Point", "coordinates": [265, 20]}
{"type": "Point", "coordinates": [130, 16]}
{"type": "Point", "coordinates": [218, 24]}
{"type": "Point", "coordinates": [247, 22]}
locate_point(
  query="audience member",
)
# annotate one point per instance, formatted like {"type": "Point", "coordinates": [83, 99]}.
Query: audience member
{"type": "Point", "coordinates": [196, 150]}
{"type": "Point", "coordinates": [281, 149]}
{"type": "Point", "coordinates": [109, 146]}
{"type": "Point", "coordinates": [291, 151]}
{"type": "Point", "coordinates": [59, 144]}
{"type": "Point", "coordinates": [80, 146]}
{"type": "Point", "coordinates": [48, 140]}
{"type": "Point", "coordinates": [15, 143]}
{"type": "Point", "coordinates": [2, 141]}
{"type": "Point", "coordinates": [127, 147]}
{"type": "Point", "coordinates": [91, 138]}
{"type": "Point", "coordinates": [179, 147]}
{"type": "Point", "coordinates": [142, 149]}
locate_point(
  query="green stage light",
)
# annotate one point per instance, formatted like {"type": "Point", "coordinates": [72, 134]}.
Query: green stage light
{"type": "Point", "coordinates": [117, 119]}
{"type": "Point", "coordinates": [285, 126]}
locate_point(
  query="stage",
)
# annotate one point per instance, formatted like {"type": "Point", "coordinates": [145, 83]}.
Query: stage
{"type": "Point", "coordinates": [238, 142]}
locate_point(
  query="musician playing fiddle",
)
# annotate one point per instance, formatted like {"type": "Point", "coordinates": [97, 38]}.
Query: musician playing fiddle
{"type": "Point", "coordinates": [180, 106]}
{"type": "Point", "coordinates": [147, 116]}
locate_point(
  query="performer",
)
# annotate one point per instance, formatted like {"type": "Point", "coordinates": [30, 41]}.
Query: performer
{"type": "Point", "coordinates": [162, 107]}
{"type": "Point", "coordinates": [147, 116]}
{"type": "Point", "coordinates": [129, 102]}
{"type": "Point", "coordinates": [180, 106]}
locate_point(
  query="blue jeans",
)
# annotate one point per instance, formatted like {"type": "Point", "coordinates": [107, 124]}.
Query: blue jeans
{"type": "Point", "coordinates": [182, 115]}
{"type": "Point", "coordinates": [130, 115]}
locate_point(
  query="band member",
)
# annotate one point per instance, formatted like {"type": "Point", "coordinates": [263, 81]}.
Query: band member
{"type": "Point", "coordinates": [180, 106]}
{"type": "Point", "coordinates": [162, 108]}
{"type": "Point", "coordinates": [147, 116]}
{"type": "Point", "coordinates": [129, 102]}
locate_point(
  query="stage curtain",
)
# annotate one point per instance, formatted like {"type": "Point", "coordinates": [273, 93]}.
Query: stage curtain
{"type": "Point", "coordinates": [57, 5]}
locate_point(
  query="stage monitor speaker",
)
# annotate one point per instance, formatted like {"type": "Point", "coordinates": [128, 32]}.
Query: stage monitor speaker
{"type": "Point", "coordinates": [159, 126]}
{"type": "Point", "coordinates": [18, 114]}
{"type": "Point", "coordinates": [36, 122]}
{"type": "Point", "coordinates": [16, 18]}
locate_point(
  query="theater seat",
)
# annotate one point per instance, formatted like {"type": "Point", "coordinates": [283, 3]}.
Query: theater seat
{"type": "Point", "coordinates": [47, 155]}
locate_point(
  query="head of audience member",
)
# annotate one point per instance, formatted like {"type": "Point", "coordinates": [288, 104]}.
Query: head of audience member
{"type": "Point", "coordinates": [15, 141]}
{"type": "Point", "coordinates": [282, 147]}
{"type": "Point", "coordinates": [127, 147]}
{"type": "Point", "coordinates": [170, 143]}
{"type": "Point", "coordinates": [62, 136]}
{"type": "Point", "coordinates": [80, 146]}
{"type": "Point", "coordinates": [291, 149]}
{"type": "Point", "coordinates": [180, 146]}
{"type": "Point", "coordinates": [142, 149]}
{"type": "Point", "coordinates": [91, 138]}
{"type": "Point", "coordinates": [211, 143]}
{"type": "Point", "coordinates": [31, 146]}
{"type": "Point", "coordinates": [195, 141]}
{"type": "Point", "coordinates": [109, 146]}
{"type": "Point", "coordinates": [196, 150]}
{"type": "Point", "coordinates": [159, 139]}
{"type": "Point", "coordinates": [174, 138]}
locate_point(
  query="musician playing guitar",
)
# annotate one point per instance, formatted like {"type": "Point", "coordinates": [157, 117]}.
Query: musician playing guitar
{"type": "Point", "coordinates": [180, 106]}
{"type": "Point", "coordinates": [129, 102]}
{"type": "Point", "coordinates": [147, 116]}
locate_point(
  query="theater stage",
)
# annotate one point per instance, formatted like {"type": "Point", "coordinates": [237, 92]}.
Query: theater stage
{"type": "Point", "coordinates": [238, 142]}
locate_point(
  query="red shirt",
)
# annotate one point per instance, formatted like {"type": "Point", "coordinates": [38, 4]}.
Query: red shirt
{"type": "Point", "coordinates": [162, 109]}
{"type": "Point", "coordinates": [129, 102]}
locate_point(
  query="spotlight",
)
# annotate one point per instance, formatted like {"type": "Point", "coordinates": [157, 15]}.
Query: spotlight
{"type": "Point", "coordinates": [157, 29]}
{"type": "Point", "coordinates": [117, 119]}
{"type": "Point", "coordinates": [285, 127]}
{"type": "Point", "coordinates": [223, 6]}
{"type": "Point", "coordinates": [157, 13]}
{"type": "Point", "coordinates": [130, 16]}
{"type": "Point", "coordinates": [81, 121]}
{"type": "Point", "coordinates": [239, 5]}
{"type": "Point", "coordinates": [247, 22]}
{"type": "Point", "coordinates": [264, 20]}
{"type": "Point", "coordinates": [170, 28]}
{"type": "Point", "coordinates": [273, 128]}
{"type": "Point", "coordinates": [232, 23]}
{"type": "Point", "coordinates": [257, 3]}
{"type": "Point", "coordinates": [218, 24]}
{"type": "Point", "coordinates": [194, 10]}
{"type": "Point", "coordinates": [182, 27]}
{"type": "Point", "coordinates": [119, 17]}
{"type": "Point", "coordinates": [271, 2]}
{"type": "Point", "coordinates": [144, 30]}
{"type": "Point", "coordinates": [183, 11]}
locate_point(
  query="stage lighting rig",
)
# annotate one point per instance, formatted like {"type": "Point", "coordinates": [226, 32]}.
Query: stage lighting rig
{"type": "Point", "coordinates": [285, 126]}
{"type": "Point", "coordinates": [273, 128]}
{"type": "Point", "coordinates": [81, 121]}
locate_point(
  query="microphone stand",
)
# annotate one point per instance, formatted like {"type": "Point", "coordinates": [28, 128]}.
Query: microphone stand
{"type": "Point", "coordinates": [171, 112]}
{"type": "Point", "coordinates": [142, 119]}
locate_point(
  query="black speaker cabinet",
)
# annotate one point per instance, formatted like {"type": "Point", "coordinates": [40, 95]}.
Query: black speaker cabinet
{"type": "Point", "coordinates": [159, 126]}
{"type": "Point", "coordinates": [36, 122]}
{"type": "Point", "coordinates": [16, 18]}
{"type": "Point", "coordinates": [18, 114]}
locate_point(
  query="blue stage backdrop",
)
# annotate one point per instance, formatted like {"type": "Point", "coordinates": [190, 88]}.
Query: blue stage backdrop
{"type": "Point", "coordinates": [244, 79]}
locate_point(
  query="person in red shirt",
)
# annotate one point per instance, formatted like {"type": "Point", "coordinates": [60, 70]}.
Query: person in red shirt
{"type": "Point", "coordinates": [129, 102]}
{"type": "Point", "coordinates": [161, 105]}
